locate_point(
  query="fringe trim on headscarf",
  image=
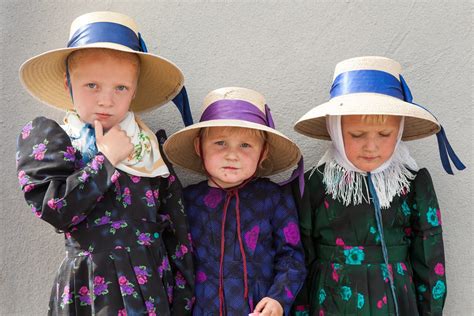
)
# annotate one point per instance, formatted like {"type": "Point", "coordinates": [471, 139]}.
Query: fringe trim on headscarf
{"type": "Point", "coordinates": [350, 187]}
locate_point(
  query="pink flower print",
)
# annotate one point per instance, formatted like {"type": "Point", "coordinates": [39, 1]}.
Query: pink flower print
{"type": "Point", "coordinates": [171, 179]}
{"type": "Point", "coordinates": [122, 312]}
{"type": "Point", "coordinates": [184, 249]}
{"type": "Point", "coordinates": [189, 303]}
{"type": "Point", "coordinates": [150, 200]}
{"type": "Point", "coordinates": [384, 299]}
{"type": "Point", "coordinates": [379, 304]}
{"type": "Point", "coordinates": [251, 237]}
{"type": "Point", "coordinates": [100, 286]}
{"type": "Point", "coordinates": [340, 242]}
{"type": "Point", "coordinates": [66, 297]}
{"type": "Point", "coordinates": [141, 274]}
{"type": "Point", "coordinates": [407, 231]}
{"type": "Point", "coordinates": [404, 266]}
{"type": "Point", "coordinates": [150, 307]}
{"type": "Point", "coordinates": [326, 204]}
{"type": "Point", "coordinates": [22, 178]}
{"type": "Point", "coordinates": [77, 219]}
{"type": "Point", "coordinates": [439, 269]}
{"type": "Point", "coordinates": [84, 296]}
{"type": "Point", "coordinates": [56, 204]}
{"type": "Point", "coordinates": [104, 219]}
{"type": "Point", "coordinates": [201, 277]}
{"type": "Point", "coordinates": [156, 194]}
{"type": "Point", "coordinates": [70, 154]}
{"type": "Point", "coordinates": [335, 276]}
{"type": "Point", "coordinates": [288, 293]}
{"type": "Point", "coordinates": [292, 234]}
{"type": "Point", "coordinates": [321, 312]}
{"type": "Point", "coordinates": [438, 214]}
{"type": "Point", "coordinates": [127, 199]}
{"type": "Point", "coordinates": [123, 280]}
{"type": "Point", "coordinates": [25, 132]}
{"type": "Point", "coordinates": [135, 179]}
{"type": "Point", "coordinates": [35, 211]}
{"type": "Point", "coordinates": [39, 150]}
{"type": "Point", "coordinates": [98, 280]}
{"type": "Point", "coordinates": [28, 187]}
{"type": "Point", "coordinates": [115, 176]}
{"type": "Point", "coordinates": [180, 281]}
{"type": "Point", "coordinates": [213, 198]}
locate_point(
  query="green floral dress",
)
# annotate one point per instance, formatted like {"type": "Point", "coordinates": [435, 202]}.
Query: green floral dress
{"type": "Point", "coordinates": [346, 270]}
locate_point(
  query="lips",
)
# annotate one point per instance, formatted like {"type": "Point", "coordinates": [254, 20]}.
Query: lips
{"type": "Point", "coordinates": [103, 116]}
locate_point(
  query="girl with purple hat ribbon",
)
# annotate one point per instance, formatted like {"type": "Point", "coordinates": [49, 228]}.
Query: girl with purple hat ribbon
{"type": "Point", "coordinates": [247, 248]}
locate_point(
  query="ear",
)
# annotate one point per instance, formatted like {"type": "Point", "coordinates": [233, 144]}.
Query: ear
{"type": "Point", "coordinates": [66, 86]}
{"type": "Point", "coordinates": [197, 145]}
{"type": "Point", "coordinates": [266, 150]}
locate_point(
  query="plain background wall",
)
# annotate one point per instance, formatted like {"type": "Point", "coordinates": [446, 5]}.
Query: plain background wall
{"type": "Point", "coordinates": [287, 51]}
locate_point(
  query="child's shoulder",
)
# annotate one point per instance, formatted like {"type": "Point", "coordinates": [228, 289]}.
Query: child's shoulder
{"type": "Point", "coordinates": [42, 127]}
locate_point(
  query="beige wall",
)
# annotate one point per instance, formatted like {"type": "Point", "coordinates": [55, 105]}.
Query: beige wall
{"type": "Point", "coordinates": [287, 50]}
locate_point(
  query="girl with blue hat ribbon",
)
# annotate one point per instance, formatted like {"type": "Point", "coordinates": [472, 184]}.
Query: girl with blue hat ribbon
{"type": "Point", "coordinates": [101, 178]}
{"type": "Point", "coordinates": [369, 218]}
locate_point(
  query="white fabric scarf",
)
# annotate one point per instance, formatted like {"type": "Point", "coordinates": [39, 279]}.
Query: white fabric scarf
{"type": "Point", "coordinates": [347, 183]}
{"type": "Point", "coordinates": [145, 160]}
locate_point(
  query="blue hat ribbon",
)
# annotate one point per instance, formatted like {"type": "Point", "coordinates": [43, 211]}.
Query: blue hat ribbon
{"type": "Point", "coordinates": [376, 81]}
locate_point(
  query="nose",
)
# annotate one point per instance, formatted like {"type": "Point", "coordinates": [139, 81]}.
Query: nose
{"type": "Point", "coordinates": [371, 144]}
{"type": "Point", "coordinates": [231, 153]}
{"type": "Point", "coordinates": [105, 98]}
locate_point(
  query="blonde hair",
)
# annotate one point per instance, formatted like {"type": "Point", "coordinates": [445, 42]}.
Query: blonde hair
{"type": "Point", "coordinates": [265, 162]}
{"type": "Point", "coordinates": [75, 57]}
{"type": "Point", "coordinates": [374, 118]}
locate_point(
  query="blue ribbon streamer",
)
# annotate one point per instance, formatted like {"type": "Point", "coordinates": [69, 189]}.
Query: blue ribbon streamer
{"type": "Point", "coordinates": [182, 103]}
{"type": "Point", "coordinates": [376, 81]}
{"type": "Point", "coordinates": [378, 218]}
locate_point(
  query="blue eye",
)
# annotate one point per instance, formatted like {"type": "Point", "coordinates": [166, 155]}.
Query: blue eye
{"type": "Point", "coordinates": [122, 88]}
{"type": "Point", "coordinates": [245, 145]}
{"type": "Point", "coordinates": [91, 85]}
{"type": "Point", "coordinates": [220, 143]}
{"type": "Point", "coordinates": [356, 135]}
{"type": "Point", "coordinates": [385, 134]}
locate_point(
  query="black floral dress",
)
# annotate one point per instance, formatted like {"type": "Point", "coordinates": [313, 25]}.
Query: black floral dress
{"type": "Point", "coordinates": [346, 273]}
{"type": "Point", "coordinates": [127, 242]}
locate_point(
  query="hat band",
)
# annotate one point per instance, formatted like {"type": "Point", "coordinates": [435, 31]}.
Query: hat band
{"type": "Point", "coordinates": [237, 110]}
{"type": "Point", "coordinates": [107, 32]}
{"type": "Point", "coordinates": [372, 81]}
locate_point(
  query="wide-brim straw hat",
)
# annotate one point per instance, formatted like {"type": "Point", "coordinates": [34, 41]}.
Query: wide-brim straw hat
{"type": "Point", "coordinates": [282, 152]}
{"type": "Point", "coordinates": [369, 86]}
{"type": "Point", "coordinates": [160, 80]}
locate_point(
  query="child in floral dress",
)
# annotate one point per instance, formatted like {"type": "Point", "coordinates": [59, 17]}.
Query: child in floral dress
{"type": "Point", "coordinates": [101, 179]}
{"type": "Point", "coordinates": [369, 219]}
{"type": "Point", "coordinates": [248, 254]}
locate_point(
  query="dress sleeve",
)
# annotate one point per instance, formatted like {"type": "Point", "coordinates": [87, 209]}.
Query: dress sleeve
{"type": "Point", "coordinates": [56, 187]}
{"type": "Point", "coordinates": [289, 266]}
{"type": "Point", "coordinates": [177, 241]}
{"type": "Point", "coordinates": [312, 197]}
{"type": "Point", "coordinates": [426, 250]}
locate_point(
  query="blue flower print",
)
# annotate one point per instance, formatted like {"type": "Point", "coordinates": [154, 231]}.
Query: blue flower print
{"type": "Point", "coordinates": [322, 296]}
{"type": "Point", "coordinates": [354, 255]}
{"type": "Point", "coordinates": [432, 217]}
{"type": "Point", "coordinates": [360, 301]}
{"type": "Point", "coordinates": [438, 290]}
{"type": "Point", "coordinates": [346, 293]}
{"type": "Point", "coordinates": [406, 209]}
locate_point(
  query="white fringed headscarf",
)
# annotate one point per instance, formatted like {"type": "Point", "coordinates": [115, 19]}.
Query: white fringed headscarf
{"type": "Point", "coordinates": [347, 183]}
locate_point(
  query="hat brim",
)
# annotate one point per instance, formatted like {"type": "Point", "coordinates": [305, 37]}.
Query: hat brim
{"type": "Point", "coordinates": [419, 122]}
{"type": "Point", "coordinates": [159, 82]}
{"type": "Point", "coordinates": [282, 154]}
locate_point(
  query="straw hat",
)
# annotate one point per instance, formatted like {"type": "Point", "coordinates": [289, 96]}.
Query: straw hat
{"type": "Point", "coordinates": [369, 85]}
{"type": "Point", "coordinates": [160, 80]}
{"type": "Point", "coordinates": [223, 103]}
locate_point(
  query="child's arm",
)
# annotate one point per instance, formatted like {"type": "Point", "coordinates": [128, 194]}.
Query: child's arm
{"type": "Point", "coordinates": [312, 197]}
{"type": "Point", "coordinates": [57, 190]}
{"type": "Point", "coordinates": [426, 250]}
{"type": "Point", "coordinates": [178, 243]}
{"type": "Point", "coordinates": [289, 268]}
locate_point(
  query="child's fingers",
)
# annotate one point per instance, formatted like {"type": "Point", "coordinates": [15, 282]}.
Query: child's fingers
{"type": "Point", "coordinates": [260, 306]}
{"type": "Point", "coordinates": [99, 131]}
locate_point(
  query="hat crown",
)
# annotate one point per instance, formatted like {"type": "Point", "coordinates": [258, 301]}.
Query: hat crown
{"type": "Point", "coordinates": [369, 63]}
{"type": "Point", "coordinates": [235, 93]}
{"type": "Point", "coordinates": [102, 16]}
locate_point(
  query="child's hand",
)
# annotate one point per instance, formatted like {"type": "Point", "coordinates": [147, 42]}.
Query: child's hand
{"type": "Point", "coordinates": [268, 307]}
{"type": "Point", "coordinates": [115, 144]}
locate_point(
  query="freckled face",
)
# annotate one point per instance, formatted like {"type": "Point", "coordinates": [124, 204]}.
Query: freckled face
{"type": "Point", "coordinates": [230, 157]}
{"type": "Point", "coordinates": [369, 144]}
